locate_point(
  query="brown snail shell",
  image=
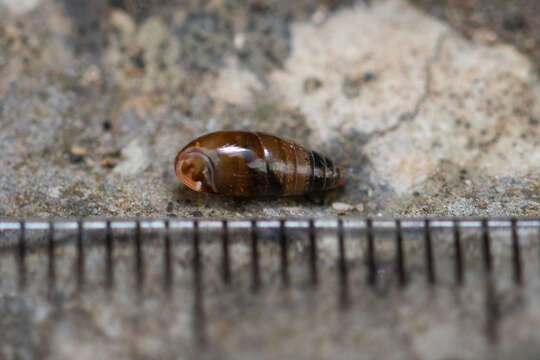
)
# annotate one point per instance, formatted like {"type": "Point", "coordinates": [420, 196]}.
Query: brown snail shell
{"type": "Point", "coordinates": [252, 164]}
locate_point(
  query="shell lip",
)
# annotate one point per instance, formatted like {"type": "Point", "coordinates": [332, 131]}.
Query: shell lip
{"type": "Point", "coordinates": [196, 152]}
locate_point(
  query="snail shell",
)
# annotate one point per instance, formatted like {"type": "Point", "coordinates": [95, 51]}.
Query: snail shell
{"type": "Point", "coordinates": [253, 164]}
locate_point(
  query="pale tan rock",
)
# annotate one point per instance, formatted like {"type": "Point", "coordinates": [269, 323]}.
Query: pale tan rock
{"type": "Point", "coordinates": [234, 84]}
{"type": "Point", "coordinates": [78, 150]}
{"type": "Point", "coordinates": [341, 208]}
{"type": "Point", "coordinates": [435, 95]}
{"type": "Point", "coordinates": [136, 159]}
{"type": "Point", "coordinates": [348, 45]}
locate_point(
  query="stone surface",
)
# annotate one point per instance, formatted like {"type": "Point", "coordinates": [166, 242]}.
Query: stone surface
{"type": "Point", "coordinates": [435, 97]}
{"type": "Point", "coordinates": [429, 113]}
{"type": "Point", "coordinates": [19, 6]}
{"type": "Point", "coordinates": [425, 120]}
{"type": "Point", "coordinates": [512, 21]}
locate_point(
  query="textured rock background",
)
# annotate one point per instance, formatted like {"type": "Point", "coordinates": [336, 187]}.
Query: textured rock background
{"type": "Point", "coordinates": [96, 98]}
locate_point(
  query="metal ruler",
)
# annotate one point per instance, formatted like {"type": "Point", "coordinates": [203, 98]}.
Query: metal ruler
{"type": "Point", "coordinates": [265, 288]}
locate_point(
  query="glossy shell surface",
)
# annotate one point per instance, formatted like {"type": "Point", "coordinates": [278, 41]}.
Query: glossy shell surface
{"type": "Point", "coordinates": [254, 164]}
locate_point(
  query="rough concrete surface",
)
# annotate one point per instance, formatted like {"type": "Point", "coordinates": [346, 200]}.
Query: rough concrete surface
{"type": "Point", "coordinates": [97, 97]}
{"type": "Point", "coordinates": [428, 113]}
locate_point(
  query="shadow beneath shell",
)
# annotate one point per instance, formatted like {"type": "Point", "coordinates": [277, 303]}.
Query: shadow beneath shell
{"type": "Point", "coordinates": [201, 204]}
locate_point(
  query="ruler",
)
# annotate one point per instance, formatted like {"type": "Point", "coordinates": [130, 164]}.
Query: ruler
{"type": "Point", "coordinates": [270, 288]}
